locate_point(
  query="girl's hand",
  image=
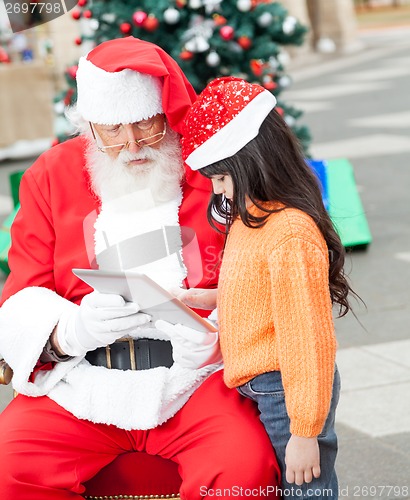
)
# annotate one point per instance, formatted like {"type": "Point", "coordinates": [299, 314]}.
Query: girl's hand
{"type": "Point", "coordinates": [302, 460]}
{"type": "Point", "coordinates": [198, 298]}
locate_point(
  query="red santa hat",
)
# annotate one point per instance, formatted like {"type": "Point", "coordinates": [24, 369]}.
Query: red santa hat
{"type": "Point", "coordinates": [127, 80]}
{"type": "Point", "coordinates": [226, 116]}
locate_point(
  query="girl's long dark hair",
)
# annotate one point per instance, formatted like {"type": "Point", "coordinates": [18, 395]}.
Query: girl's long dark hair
{"type": "Point", "coordinates": [272, 168]}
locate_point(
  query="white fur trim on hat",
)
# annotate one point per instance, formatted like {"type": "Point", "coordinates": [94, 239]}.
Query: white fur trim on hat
{"type": "Point", "coordinates": [234, 135]}
{"type": "Point", "coordinates": [110, 98]}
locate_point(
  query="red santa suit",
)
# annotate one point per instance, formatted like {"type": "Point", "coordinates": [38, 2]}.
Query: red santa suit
{"type": "Point", "coordinates": [50, 235]}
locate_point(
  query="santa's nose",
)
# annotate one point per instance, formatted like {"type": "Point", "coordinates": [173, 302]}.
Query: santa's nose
{"type": "Point", "coordinates": [133, 146]}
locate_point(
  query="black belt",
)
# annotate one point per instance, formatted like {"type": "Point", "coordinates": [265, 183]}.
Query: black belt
{"type": "Point", "coordinates": [133, 354]}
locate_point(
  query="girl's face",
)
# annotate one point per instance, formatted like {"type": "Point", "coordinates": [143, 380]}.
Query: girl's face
{"type": "Point", "coordinates": [222, 184]}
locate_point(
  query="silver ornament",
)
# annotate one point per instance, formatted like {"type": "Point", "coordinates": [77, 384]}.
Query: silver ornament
{"type": "Point", "coordinates": [265, 19]}
{"type": "Point", "coordinates": [244, 5]}
{"type": "Point", "coordinates": [171, 16]}
{"type": "Point", "coordinates": [213, 59]}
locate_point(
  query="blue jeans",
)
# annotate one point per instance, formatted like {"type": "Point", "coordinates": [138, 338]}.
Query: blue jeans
{"type": "Point", "coordinates": [267, 391]}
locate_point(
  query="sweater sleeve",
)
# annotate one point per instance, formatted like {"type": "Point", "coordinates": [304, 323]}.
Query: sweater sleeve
{"type": "Point", "coordinates": [302, 316]}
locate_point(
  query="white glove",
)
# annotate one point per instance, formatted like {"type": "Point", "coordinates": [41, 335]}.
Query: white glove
{"type": "Point", "coordinates": [100, 320]}
{"type": "Point", "coordinates": [191, 348]}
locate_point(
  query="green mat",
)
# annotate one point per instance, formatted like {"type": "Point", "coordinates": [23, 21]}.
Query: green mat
{"type": "Point", "coordinates": [15, 179]}
{"type": "Point", "coordinates": [5, 240]}
{"type": "Point", "coordinates": [345, 206]}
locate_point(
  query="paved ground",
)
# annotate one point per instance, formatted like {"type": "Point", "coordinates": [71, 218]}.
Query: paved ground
{"type": "Point", "coordinates": [358, 107]}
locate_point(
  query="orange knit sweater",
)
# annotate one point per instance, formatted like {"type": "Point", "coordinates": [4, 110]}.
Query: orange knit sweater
{"type": "Point", "coordinates": [275, 313]}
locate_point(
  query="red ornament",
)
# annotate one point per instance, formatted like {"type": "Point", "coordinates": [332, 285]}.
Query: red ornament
{"type": "Point", "coordinates": [180, 4]}
{"type": "Point", "coordinates": [255, 3]}
{"type": "Point", "coordinates": [76, 14]}
{"type": "Point", "coordinates": [279, 110]}
{"type": "Point", "coordinates": [4, 57]}
{"type": "Point", "coordinates": [256, 67]}
{"type": "Point", "coordinates": [72, 71]}
{"type": "Point", "coordinates": [186, 55]}
{"type": "Point", "coordinates": [227, 33]}
{"type": "Point", "coordinates": [270, 85]}
{"type": "Point", "coordinates": [88, 14]}
{"type": "Point", "coordinates": [82, 3]}
{"type": "Point", "coordinates": [125, 28]}
{"type": "Point", "coordinates": [78, 41]}
{"type": "Point", "coordinates": [219, 20]}
{"type": "Point", "coordinates": [245, 42]}
{"type": "Point", "coordinates": [139, 17]}
{"type": "Point", "coordinates": [151, 23]}
{"type": "Point", "coordinates": [68, 97]}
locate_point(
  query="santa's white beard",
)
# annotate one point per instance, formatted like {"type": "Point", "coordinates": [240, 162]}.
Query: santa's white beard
{"type": "Point", "coordinates": [158, 179]}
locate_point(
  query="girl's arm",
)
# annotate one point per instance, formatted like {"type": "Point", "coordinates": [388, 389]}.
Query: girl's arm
{"type": "Point", "coordinates": [304, 331]}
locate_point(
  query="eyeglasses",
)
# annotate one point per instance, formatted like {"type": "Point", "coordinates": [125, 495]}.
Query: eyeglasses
{"type": "Point", "coordinates": [146, 141]}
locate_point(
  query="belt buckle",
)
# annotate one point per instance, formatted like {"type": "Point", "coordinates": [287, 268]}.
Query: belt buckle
{"type": "Point", "coordinates": [132, 353]}
{"type": "Point", "coordinates": [131, 344]}
{"type": "Point", "coordinates": [108, 356]}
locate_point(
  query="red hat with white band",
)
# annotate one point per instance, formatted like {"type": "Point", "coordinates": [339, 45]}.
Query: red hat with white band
{"type": "Point", "coordinates": [127, 80]}
{"type": "Point", "coordinates": [226, 116]}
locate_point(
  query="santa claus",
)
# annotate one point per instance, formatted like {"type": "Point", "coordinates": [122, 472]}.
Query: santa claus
{"type": "Point", "coordinates": [118, 197]}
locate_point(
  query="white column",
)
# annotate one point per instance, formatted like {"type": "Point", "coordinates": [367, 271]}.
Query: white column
{"type": "Point", "coordinates": [337, 21]}
{"type": "Point", "coordinates": [298, 9]}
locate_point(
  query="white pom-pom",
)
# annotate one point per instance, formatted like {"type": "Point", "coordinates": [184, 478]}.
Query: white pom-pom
{"type": "Point", "coordinates": [273, 62]}
{"type": "Point", "coordinates": [94, 24]}
{"type": "Point", "coordinates": [244, 5]}
{"type": "Point", "coordinates": [213, 59]}
{"type": "Point", "coordinates": [265, 19]}
{"type": "Point", "coordinates": [325, 45]}
{"type": "Point", "coordinates": [289, 25]}
{"type": "Point", "coordinates": [109, 17]}
{"type": "Point", "coordinates": [197, 44]}
{"type": "Point", "coordinates": [59, 107]}
{"type": "Point", "coordinates": [284, 81]}
{"type": "Point", "coordinates": [171, 16]}
{"type": "Point", "coordinates": [283, 58]}
{"type": "Point", "coordinates": [195, 4]}
{"type": "Point", "coordinates": [290, 120]}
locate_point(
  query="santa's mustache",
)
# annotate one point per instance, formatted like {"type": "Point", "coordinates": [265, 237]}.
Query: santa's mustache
{"type": "Point", "coordinates": [146, 153]}
{"type": "Point", "coordinates": [127, 156]}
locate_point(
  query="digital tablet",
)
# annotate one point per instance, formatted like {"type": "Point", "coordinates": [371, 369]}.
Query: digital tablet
{"type": "Point", "coordinates": [151, 297]}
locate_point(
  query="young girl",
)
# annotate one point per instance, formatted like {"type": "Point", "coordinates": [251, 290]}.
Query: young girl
{"type": "Point", "coordinates": [281, 272]}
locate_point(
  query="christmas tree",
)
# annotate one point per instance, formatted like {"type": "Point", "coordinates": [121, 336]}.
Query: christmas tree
{"type": "Point", "coordinates": [208, 38]}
